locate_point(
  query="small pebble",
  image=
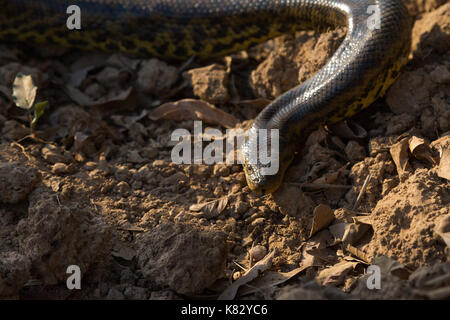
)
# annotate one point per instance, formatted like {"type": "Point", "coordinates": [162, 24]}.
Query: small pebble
{"type": "Point", "coordinates": [60, 168]}
{"type": "Point", "coordinates": [258, 252]}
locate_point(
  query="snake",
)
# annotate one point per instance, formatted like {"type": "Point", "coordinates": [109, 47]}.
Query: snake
{"type": "Point", "coordinates": [369, 59]}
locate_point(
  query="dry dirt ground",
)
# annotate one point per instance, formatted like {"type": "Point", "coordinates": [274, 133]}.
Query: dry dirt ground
{"type": "Point", "coordinates": [95, 185]}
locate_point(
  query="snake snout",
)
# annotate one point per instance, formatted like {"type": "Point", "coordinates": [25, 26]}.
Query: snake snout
{"type": "Point", "coordinates": [260, 182]}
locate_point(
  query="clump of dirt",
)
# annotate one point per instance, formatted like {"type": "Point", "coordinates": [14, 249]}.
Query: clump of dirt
{"type": "Point", "coordinates": [14, 273]}
{"type": "Point", "coordinates": [16, 181]}
{"type": "Point", "coordinates": [55, 236]}
{"type": "Point", "coordinates": [293, 61]}
{"type": "Point", "coordinates": [404, 220]}
{"type": "Point", "coordinates": [166, 256]}
{"type": "Point", "coordinates": [209, 83]}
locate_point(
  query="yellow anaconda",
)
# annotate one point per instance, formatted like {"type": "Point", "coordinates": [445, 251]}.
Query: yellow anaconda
{"type": "Point", "coordinates": [364, 66]}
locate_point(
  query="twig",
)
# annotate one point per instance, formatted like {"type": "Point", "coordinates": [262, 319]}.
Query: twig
{"type": "Point", "coordinates": [33, 137]}
{"type": "Point", "coordinates": [59, 202]}
{"type": "Point", "coordinates": [362, 192]}
{"type": "Point", "coordinates": [240, 266]}
{"type": "Point", "coordinates": [21, 147]}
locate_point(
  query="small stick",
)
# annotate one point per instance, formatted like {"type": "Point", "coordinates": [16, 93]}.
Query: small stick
{"type": "Point", "coordinates": [362, 192]}
{"type": "Point", "coordinates": [22, 148]}
{"type": "Point", "coordinates": [240, 266]}
{"type": "Point", "coordinates": [59, 202]}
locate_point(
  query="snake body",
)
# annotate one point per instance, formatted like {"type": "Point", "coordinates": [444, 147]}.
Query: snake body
{"type": "Point", "coordinates": [367, 62]}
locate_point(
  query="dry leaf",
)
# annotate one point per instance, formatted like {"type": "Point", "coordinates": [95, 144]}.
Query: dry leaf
{"type": "Point", "coordinates": [210, 209]}
{"type": "Point", "coordinates": [270, 279]}
{"type": "Point", "coordinates": [354, 232]}
{"type": "Point", "coordinates": [320, 240]}
{"type": "Point", "coordinates": [399, 153]}
{"type": "Point", "coordinates": [420, 149]}
{"type": "Point", "coordinates": [325, 254]}
{"type": "Point", "coordinates": [125, 100]}
{"type": "Point", "coordinates": [335, 275]}
{"type": "Point", "coordinates": [250, 275]}
{"type": "Point", "coordinates": [323, 216]}
{"type": "Point", "coordinates": [191, 109]}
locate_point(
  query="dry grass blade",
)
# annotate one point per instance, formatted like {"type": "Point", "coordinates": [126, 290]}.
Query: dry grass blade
{"type": "Point", "coordinates": [192, 109]}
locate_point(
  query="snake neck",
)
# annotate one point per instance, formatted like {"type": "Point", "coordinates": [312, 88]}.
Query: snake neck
{"type": "Point", "coordinates": [368, 61]}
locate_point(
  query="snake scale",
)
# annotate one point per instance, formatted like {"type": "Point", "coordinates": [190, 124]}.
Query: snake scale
{"type": "Point", "coordinates": [367, 62]}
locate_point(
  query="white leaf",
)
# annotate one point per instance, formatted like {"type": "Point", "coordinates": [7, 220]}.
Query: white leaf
{"type": "Point", "coordinates": [24, 91]}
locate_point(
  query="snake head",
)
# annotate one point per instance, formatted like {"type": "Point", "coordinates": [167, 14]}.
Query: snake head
{"type": "Point", "coordinates": [259, 183]}
{"type": "Point", "coordinates": [264, 171]}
